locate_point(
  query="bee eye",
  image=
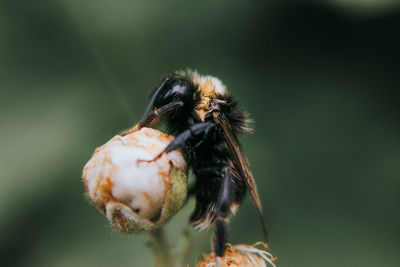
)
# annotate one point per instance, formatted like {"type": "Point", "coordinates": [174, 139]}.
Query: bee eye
{"type": "Point", "coordinates": [175, 90]}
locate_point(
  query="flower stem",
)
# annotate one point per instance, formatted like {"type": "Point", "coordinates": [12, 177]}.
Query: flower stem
{"type": "Point", "coordinates": [160, 248]}
{"type": "Point", "coordinates": [164, 254]}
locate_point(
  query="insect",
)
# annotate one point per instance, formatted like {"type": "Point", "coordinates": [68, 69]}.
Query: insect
{"type": "Point", "coordinates": [206, 122]}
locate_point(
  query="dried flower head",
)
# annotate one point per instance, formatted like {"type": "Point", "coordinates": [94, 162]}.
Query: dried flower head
{"type": "Point", "coordinates": [136, 196]}
{"type": "Point", "coordinates": [239, 256]}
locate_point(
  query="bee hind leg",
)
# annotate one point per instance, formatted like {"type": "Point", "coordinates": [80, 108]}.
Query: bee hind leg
{"type": "Point", "coordinates": [223, 210]}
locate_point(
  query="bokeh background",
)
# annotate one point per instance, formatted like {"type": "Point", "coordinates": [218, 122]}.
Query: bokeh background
{"type": "Point", "coordinates": [320, 79]}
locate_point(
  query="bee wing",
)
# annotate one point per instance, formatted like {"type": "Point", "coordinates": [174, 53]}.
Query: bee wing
{"type": "Point", "coordinates": [241, 164]}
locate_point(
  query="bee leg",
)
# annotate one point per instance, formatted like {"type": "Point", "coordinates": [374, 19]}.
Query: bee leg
{"type": "Point", "coordinates": [204, 128]}
{"type": "Point", "coordinates": [223, 209]}
{"type": "Point", "coordinates": [153, 117]}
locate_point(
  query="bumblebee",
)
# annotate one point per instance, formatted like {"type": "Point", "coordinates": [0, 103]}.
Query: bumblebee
{"type": "Point", "coordinates": [206, 122]}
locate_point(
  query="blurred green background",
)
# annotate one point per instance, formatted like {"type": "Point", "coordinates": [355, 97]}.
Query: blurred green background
{"type": "Point", "coordinates": [320, 79]}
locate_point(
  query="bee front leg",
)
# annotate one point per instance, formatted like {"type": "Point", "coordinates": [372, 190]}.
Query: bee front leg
{"type": "Point", "coordinates": [223, 210]}
{"type": "Point", "coordinates": [200, 129]}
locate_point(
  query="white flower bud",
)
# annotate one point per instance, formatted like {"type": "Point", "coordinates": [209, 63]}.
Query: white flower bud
{"type": "Point", "coordinates": [137, 196]}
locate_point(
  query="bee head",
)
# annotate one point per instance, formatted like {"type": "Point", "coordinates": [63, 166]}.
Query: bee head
{"type": "Point", "coordinates": [172, 89]}
{"type": "Point", "coordinates": [172, 95]}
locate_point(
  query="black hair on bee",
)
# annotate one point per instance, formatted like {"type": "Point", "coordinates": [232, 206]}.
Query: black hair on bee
{"type": "Point", "coordinates": [206, 121]}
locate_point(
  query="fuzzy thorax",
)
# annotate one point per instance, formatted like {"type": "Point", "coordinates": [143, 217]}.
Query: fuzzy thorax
{"type": "Point", "coordinates": [209, 87]}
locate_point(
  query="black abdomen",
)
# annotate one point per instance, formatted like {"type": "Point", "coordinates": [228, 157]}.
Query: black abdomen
{"type": "Point", "coordinates": [207, 161]}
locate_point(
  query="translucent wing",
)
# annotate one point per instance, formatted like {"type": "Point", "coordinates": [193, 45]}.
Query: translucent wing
{"type": "Point", "coordinates": [240, 163]}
